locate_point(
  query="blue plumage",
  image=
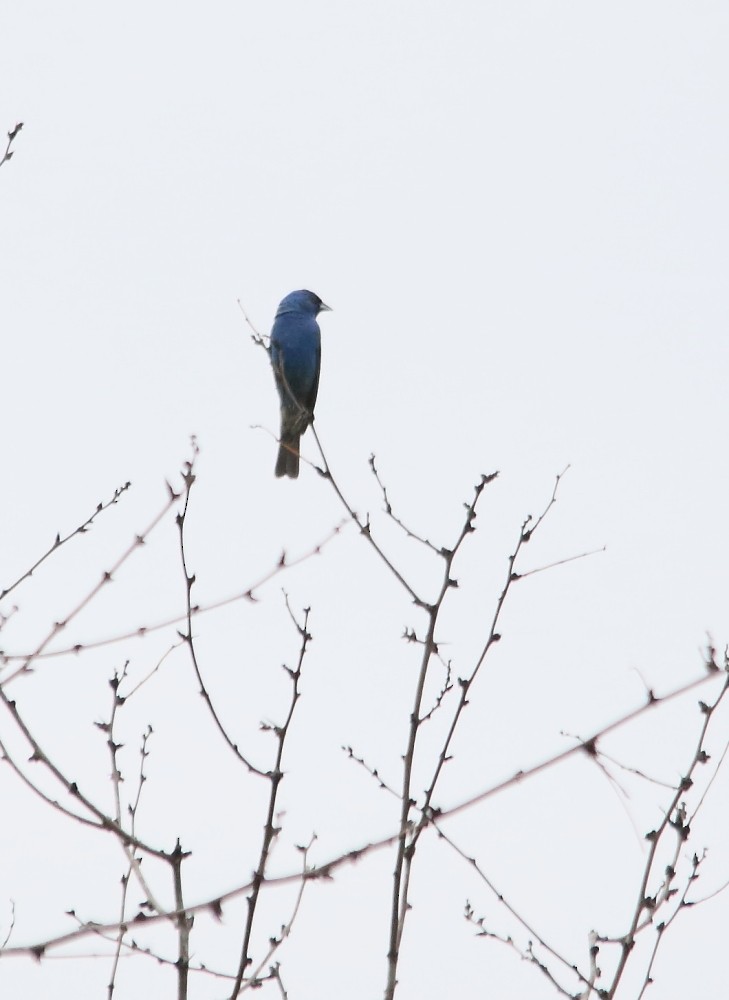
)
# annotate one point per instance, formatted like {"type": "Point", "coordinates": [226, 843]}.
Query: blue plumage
{"type": "Point", "coordinates": [296, 358]}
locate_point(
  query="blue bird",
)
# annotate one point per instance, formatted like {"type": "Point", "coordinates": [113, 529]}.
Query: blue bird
{"type": "Point", "coordinates": [296, 358]}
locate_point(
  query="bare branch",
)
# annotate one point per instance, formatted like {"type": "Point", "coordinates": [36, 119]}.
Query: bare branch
{"type": "Point", "coordinates": [364, 526]}
{"type": "Point", "coordinates": [106, 578]}
{"type": "Point", "coordinates": [8, 154]}
{"type": "Point", "coordinates": [58, 541]}
{"type": "Point", "coordinates": [270, 829]}
{"type": "Point", "coordinates": [391, 513]}
{"type": "Point", "coordinates": [187, 637]}
{"type": "Point", "coordinates": [325, 870]}
{"type": "Point", "coordinates": [249, 594]}
{"type": "Point", "coordinates": [100, 819]}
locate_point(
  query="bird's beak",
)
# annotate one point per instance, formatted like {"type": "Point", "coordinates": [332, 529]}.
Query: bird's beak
{"type": "Point", "coordinates": [324, 308]}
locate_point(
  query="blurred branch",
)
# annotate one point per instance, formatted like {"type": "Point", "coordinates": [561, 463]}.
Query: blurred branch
{"type": "Point", "coordinates": [561, 562]}
{"type": "Point", "coordinates": [325, 870]}
{"type": "Point", "coordinates": [624, 767]}
{"type": "Point", "coordinates": [275, 976]}
{"type": "Point", "coordinates": [130, 949]}
{"type": "Point", "coordinates": [652, 701]}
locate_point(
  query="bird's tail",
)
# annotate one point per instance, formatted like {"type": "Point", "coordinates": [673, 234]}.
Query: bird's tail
{"type": "Point", "coordinates": [287, 463]}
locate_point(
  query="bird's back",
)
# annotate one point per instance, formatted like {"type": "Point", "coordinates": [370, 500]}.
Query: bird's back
{"type": "Point", "coordinates": [296, 354]}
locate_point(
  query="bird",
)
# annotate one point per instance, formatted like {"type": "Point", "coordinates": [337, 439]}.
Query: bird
{"type": "Point", "coordinates": [295, 352]}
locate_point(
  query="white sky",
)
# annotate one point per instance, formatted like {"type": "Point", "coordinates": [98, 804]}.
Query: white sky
{"type": "Point", "coordinates": [519, 214]}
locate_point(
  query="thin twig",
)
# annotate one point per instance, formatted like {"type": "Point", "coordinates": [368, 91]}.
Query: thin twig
{"type": "Point", "coordinates": [623, 767]}
{"type": "Point", "coordinates": [372, 771]}
{"type": "Point", "coordinates": [133, 865]}
{"type": "Point", "coordinates": [391, 513]}
{"type": "Point", "coordinates": [58, 541]}
{"type": "Point", "coordinates": [11, 926]}
{"type": "Point", "coordinates": [106, 578]}
{"type": "Point", "coordinates": [409, 838]}
{"type": "Point", "coordinates": [100, 819]}
{"type": "Point", "coordinates": [249, 594]}
{"type": "Point", "coordinates": [275, 777]}
{"type": "Point", "coordinates": [258, 338]}
{"type": "Point", "coordinates": [8, 154]}
{"type": "Point", "coordinates": [526, 955]}
{"type": "Point", "coordinates": [116, 780]}
{"type": "Point", "coordinates": [507, 905]}
{"type": "Point", "coordinates": [406, 844]}
{"type": "Point", "coordinates": [364, 526]}
{"type": "Point", "coordinates": [674, 819]}
{"type": "Point", "coordinates": [184, 922]}
{"type": "Point", "coordinates": [187, 636]}
{"type": "Point", "coordinates": [256, 977]}
{"type": "Point", "coordinates": [155, 668]}
{"type": "Point", "coordinates": [561, 562]}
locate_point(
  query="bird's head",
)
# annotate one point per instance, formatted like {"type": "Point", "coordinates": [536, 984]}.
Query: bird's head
{"type": "Point", "coordinates": [302, 301]}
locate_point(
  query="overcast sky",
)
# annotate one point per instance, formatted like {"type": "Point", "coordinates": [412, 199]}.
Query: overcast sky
{"type": "Point", "coordinates": [519, 216]}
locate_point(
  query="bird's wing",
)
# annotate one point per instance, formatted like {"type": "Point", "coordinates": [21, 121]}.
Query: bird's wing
{"type": "Point", "coordinates": [311, 394]}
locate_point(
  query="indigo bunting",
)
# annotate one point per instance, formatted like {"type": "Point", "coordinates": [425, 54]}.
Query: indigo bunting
{"type": "Point", "coordinates": [295, 357]}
